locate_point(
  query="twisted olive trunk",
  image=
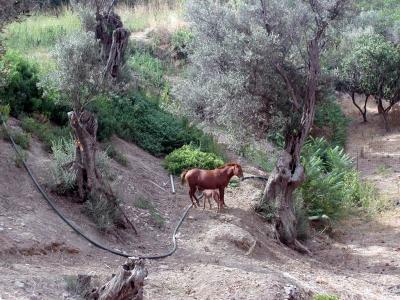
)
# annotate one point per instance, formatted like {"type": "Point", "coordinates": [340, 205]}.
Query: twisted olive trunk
{"type": "Point", "coordinates": [89, 180]}
{"type": "Point", "coordinates": [289, 173]}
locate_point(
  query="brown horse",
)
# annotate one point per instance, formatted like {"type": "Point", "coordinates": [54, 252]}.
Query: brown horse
{"type": "Point", "coordinates": [210, 180]}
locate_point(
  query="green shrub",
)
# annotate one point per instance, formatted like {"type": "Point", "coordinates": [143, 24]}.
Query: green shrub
{"type": "Point", "coordinates": [20, 91]}
{"type": "Point", "coordinates": [179, 41]}
{"type": "Point", "coordinates": [188, 157]}
{"type": "Point", "coordinates": [332, 185]}
{"type": "Point", "coordinates": [136, 119]}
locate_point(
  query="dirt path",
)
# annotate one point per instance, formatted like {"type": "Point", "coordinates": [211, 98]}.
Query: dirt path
{"type": "Point", "coordinates": [220, 256]}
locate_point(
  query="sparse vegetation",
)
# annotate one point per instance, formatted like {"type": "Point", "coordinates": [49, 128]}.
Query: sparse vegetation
{"type": "Point", "coordinates": [143, 203]}
{"type": "Point", "coordinates": [21, 138]}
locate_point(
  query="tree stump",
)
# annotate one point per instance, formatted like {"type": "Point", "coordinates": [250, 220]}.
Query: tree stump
{"type": "Point", "coordinates": [126, 285]}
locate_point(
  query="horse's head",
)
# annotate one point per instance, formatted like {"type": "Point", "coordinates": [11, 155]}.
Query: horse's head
{"type": "Point", "coordinates": [237, 170]}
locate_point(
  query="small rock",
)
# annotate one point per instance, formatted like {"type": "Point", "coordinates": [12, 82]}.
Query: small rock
{"type": "Point", "coordinates": [206, 249]}
{"type": "Point", "coordinates": [19, 284]}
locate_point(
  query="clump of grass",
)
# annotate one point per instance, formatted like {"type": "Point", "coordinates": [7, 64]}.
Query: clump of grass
{"type": "Point", "coordinates": [103, 213]}
{"type": "Point", "coordinates": [325, 297]}
{"type": "Point", "coordinates": [116, 155]}
{"type": "Point", "coordinates": [20, 157]}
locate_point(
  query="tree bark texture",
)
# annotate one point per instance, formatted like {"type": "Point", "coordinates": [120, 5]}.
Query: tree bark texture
{"type": "Point", "coordinates": [127, 284]}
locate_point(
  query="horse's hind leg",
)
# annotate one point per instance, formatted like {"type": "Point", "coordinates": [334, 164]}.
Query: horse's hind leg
{"type": "Point", "coordinates": [194, 195]}
{"type": "Point", "coordinates": [191, 194]}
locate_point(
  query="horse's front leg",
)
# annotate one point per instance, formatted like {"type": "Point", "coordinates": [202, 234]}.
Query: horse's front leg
{"type": "Point", "coordinates": [221, 197]}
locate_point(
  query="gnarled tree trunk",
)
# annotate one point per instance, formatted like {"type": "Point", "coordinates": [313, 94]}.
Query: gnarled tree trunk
{"type": "Point", "coordinates": [126, 285]}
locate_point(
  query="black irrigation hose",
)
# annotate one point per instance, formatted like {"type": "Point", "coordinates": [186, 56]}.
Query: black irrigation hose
{"type": "Point", "coordinates": [255, 177]}
{"type": "Point", "coordinates": [76, 229]}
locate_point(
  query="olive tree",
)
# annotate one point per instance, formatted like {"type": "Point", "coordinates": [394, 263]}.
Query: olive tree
{"type": "Point", "coordinates": [373, 68]}
{"type": "Point", "coordinates": [255, 59]}
{"type": "Point", "coordinates": [78, 79]}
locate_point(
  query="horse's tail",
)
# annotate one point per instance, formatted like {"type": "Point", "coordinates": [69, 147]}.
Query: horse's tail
{"type": "Point", "coordinates": [183, 175]}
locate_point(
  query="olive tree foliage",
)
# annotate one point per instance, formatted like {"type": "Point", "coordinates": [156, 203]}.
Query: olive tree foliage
{"type": "Point", "coordinates": [78, 76]}
{"type": "Point", "coordinates": [372, 68]}
{"type": "Point", "coordinates": [252, 60]}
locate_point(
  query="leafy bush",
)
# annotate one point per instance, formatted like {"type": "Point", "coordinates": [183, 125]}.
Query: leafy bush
{"type": "Point", "coordinates": [179, 41]}
{"type": "Point", "coordinates": [44, 131]}
{"type": "Point", "coordinates": [329, 114]}
{"type": "Point", "coordinates": [136, 119]}
{"type": "Point", "coordinates": [20, 91]}
{"type": "Point", "coordinates": [64, 178]}
{"type": "Point", "coordinates": [188, 157]}
{"type": "Point", "coordinates": [331, 184]}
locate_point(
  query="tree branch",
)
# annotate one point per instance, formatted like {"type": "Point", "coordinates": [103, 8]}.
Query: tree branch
{"type": "Point", "coordinates": [295, 99]}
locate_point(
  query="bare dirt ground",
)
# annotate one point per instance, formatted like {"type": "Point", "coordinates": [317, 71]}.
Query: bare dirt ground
{"type": "Point", "coordinates": [231, 255]}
